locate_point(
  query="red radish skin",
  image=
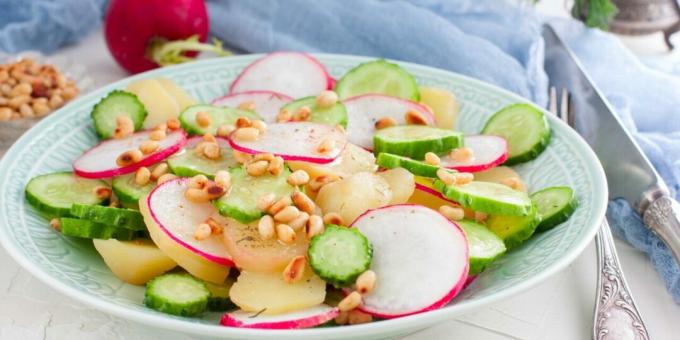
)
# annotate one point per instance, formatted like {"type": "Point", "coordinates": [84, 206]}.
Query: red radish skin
{"type": "Point", "coordinates": [363, 111]}
{"type": "Point", "coordinates": [209, 252]}
{"type": "Point", "coordinates": [294, 141]}
{"type": "Point", "coordinates": [469, 281]}
{"type": "Point", "coordinates": [131, 25]}
{"type": "Point", "coordinates": [307, 318]}
{"type": "Point", "coordinates": [267, 103]}
{"type": "Point", "coordinates": [414, 242]}
{"type": "Point", "coordinates": [433, 192]}
{"type": "Point", "coordinates": [294, 74]}
{"type": "Point", "coordinates": [488, 152]}
{"type": "Point", "coordinates": [100, 161]}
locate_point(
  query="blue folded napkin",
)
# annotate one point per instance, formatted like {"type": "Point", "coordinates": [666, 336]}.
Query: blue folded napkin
{"type": "Point", "coordinates": [491, 40]}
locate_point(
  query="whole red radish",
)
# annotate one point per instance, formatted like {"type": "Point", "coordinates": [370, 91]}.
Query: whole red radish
{"type": "Point", "coordinates": [142, 35]}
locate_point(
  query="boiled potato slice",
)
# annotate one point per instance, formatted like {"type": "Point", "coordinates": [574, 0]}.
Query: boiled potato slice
{"type": "Point", "coordinates": [253, 253]}
{"type": "Point", "coordinates": [270, 294]}
{"type": "Point", "coordinates": [353, 159]}
{"type": "Point", "coordinates": [443, 104]}
{"type": "Point", "coordinates": [134, 262]}
{"type": "Point", "coordinates": [402, 183]}
{"type": "Point", "coordinates": [182, 98]}
{"type": "Point", "coordinates": [156, 99]}
{"type": "Point", "coordinates": [500, 175]}
{"type": "Point", "coordinates": [352, 196]}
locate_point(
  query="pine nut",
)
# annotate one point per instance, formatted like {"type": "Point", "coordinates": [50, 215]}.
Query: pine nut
{"type": "Point", "coordinates": [300, 221]}
{"type": "Point", "coordinates": [356, 317]}
{"type": "Point", "coordinates": [512, 182]}
{"type": "Point", "coordinates": [285, 233]}
{"type": "Point", "coordinates": [102, 192]}
{"type": "Point", "coordinates": [446, 176]}
{"type": "Point", "coordinates": [303, 202]}
{"type": "Point", "coordinates": [123, 132]}
{"type": "Point", "coordinates": [342, 318]}
{"type": "Point", "coordinates": [129, 157]}
{"type": "Point", "coordinates": [266, 227]}
{"type": "Point", "coordinates": [160, 170]}
{"type": "Point", "coordinates": [196, 195]}
{"type": "Point", "coordinates": [432, 158]}
{"type": "Point", "coordinates": [142, 176]}
{"type": "Point", "coordinates": [366, 282]}
{"type": "Point", "coordinates": [266, 201]}
{"type": "Point", "coordinates": [247, 134]}
{"type": "Point", "coordinates": [480, 216]}
{"type": "Point", "coordinates": [212, 151]}
{"type": "Point", "coordinates": [215, 228]}
{"type": "Point", "coordinates": [452, 213]}
{"type": "Point", "coordinates": [319, 182]}
{"type": "Point", "coordinates": [203, 119]}
{"type": "Point", "coordinates": [276, 166]}
{"type": "Point", "coordinates": [280, 204]}
{"type": "Point", "coordinates": [243, 122]}
{"type": "Point", "coordinates": [242, 157]}
{"type": "Point", "coordinates": [223, 179]}
{"type": "Point", "coordinates": [462, 154]}
{"type": "Point", "coordinates": [464, 178]}
{"type": "Point", "coordinates": [302, 114]}
{"type": "Point", "coordinates": [351, 301]}
{"type": "Point", "coordinates": [333, 218]}
{"type": "Point", "coordinates": [209, 138]}
{"type": "Point", "coordinates": [157, 135]}
{"type": "Point", "coordinates": [257, 168]}
{"type": "Point", "coordinates": [225, 130]}
{"type": "Point", "coordinates": [173, 124]}
{"type": "Point", "coordinates": [263, 157]}
{"type": "Point", "coordinates": [164, 178]}
{"type": "Point", "coordinates": [40, 109]}
{"type": "Point", "coordinates": [149, 146]}
{"type": "Point", "coordinates": [56, 101]}
{"type": "Point", "coordinates": [295, 269]}
{"type": "Point", "coordinates": [326, 99]}
{"type": "Point", "coordinates": [260, 125]}
{"type": "Point", "coordinates": [5, 114]}
{"type": "Point", "coordinates": [415, 118]}
{"type": "Point", "coordinates": [202, 231]}
{"type": "Point", "coordinates": [287, 214]}
{"type": "Point", "coordinates": [22, 89]}
{"type": "Point", "coordinates": [214, 191]}
{"type": "Point", "coordinates": [314, 226]}
{"type": "Point", "coordinates": [198, 182]}
{"type": "Point", "coordinates": [124, 121]}
{"type": "Point", "coordinates": [326, 146]}
{"type": "Point", "coordinates": [16, 102]}
{"type": "Point", "coordinates": [247, 106]}
{"type": "Point", "coordinates": [385, 122]}
{"type": "Point", "coordinates": [26, 111]}
{"type": "Point", "coordinates": [299, 177]}
{"type": "Point", "coordinates": [55, 223]}
{"type": "Point", "coordinates": [283, 116]}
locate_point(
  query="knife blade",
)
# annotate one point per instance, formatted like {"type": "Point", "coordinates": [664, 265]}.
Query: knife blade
{"type": "Point", "coordinates": [630, 174]}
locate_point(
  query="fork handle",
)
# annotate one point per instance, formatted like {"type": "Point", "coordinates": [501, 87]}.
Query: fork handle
{"type": "Point", "coordinates": [663, 218]}
{"type": "Point", "coordinates": [616, 315]}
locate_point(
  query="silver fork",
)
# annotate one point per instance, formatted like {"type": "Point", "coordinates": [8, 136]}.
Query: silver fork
{"type": "Point", "coordinates": [616, 315]}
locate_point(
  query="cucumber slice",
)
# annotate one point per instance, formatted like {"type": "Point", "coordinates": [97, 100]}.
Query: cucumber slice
{"type": "Point", "coordinates": [378, 76]}
{"type": "Point", "coordinates": [418, 168]}
{"type": "Point", "coordinates": [484, 245]}
{"type": "Point", "coordinates": [177, 294]}
{"type": "Point", "coordinates": [54, 194]}
{"type": "Point", "coordinates": [116, 104]}
{"type": "Point", "coordinates": [188, 163]}
{"type": "Point", "coordinates": [75, 227]}
{"type": "Point", "coordinates": [524, 127]}
{"type": "Point", "coordinates": [218, 116]}
{"type": "Point", "coordinates": [491, 198]}
{"type": "Point", "coordinates": [240, 203]}
{"type": "Point", "coordinates": [219, 300]}
{"type": "Point", "coordinates": [115, 217]}
{"type": "Point", "coordinates": [554, 206]}
{"type": "Point", "coordinates": [415, 140]}
{"type": "Point", "coordinates": [514, 230]}
{"type": "Point", "coordinates": [334, 115]}
{"type": "Point", "coordinates": [128, 191]}
{"type": "Point", "coordinates": [339, 255]}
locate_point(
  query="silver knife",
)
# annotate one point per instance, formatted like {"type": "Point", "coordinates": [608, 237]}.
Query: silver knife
{"type": "Point", "coordinates": [630, 174]}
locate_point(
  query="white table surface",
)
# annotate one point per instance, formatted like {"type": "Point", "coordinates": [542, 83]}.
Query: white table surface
{"type": "Point", "coordinates": [559, 308]}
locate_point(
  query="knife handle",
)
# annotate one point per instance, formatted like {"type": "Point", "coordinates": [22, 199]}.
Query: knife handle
{"type": "Point", "coordinates": [662, 216]}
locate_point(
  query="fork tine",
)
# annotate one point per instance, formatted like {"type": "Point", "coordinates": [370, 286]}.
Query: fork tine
{"type": "Point", "coordinates": [564, 106]}
{"type": "Point", "coordinates": [552, 100]}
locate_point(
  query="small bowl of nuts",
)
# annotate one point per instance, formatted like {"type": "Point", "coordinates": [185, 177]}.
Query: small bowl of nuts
{"type": "Point", "coordinates": [31, 87]}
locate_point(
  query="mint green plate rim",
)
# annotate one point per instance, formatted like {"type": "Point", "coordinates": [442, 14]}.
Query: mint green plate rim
{"type": "Point", "coordinates": [576, 145]}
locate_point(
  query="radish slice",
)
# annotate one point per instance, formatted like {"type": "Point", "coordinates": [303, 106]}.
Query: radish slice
{"type": "Point", "coordinates": [295, 141]}
{"type": "Point", "coordinates": [364, 110]}
{"type": "Point", "coordinates": [267, 103]}
{"type": "Point", "coordinates": [306, 318]}
{"type": "Point", "coordinates": [178, 218]}
{"type": "Point", "coordinates": [420, 257]}
{"type": "Point", "coordinates": [291, 73]}
{"type": "Point", "coordinates": [100, 161]}
{"type": "Point", "coordinates": [488, 151]}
